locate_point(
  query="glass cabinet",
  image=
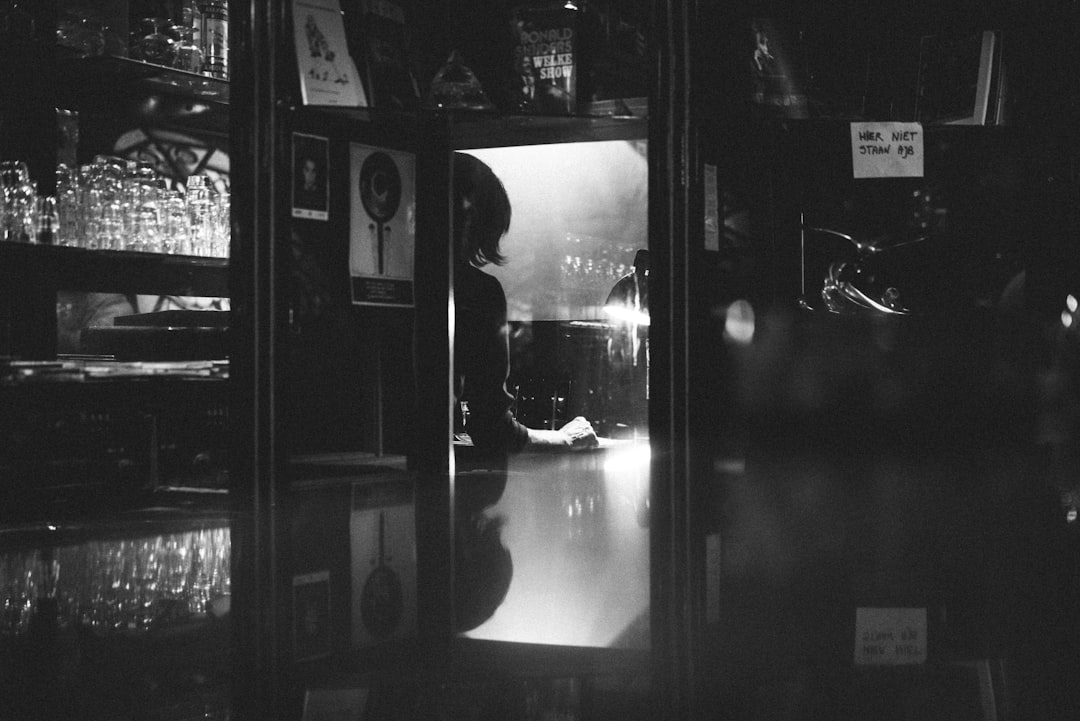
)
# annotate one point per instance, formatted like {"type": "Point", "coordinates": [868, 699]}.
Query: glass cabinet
{"type": "Point", "coordinates": [115, 545]}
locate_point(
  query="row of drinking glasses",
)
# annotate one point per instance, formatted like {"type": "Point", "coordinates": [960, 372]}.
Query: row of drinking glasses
{"type": "Point", "coordinates": [114, 585]}
{"type": "Point", "coordinates": [117, 204]}
{"type": "Point", "coordinates": [19, 222]}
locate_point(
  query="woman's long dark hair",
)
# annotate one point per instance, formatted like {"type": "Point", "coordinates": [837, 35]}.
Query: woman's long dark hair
{"type": "Point", "coordinates": [481, 211]}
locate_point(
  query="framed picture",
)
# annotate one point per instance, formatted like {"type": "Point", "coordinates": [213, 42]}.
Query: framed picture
{"type": "Point", "coordinates": [382, 225]}
{"type": "Point", "coordinates": [311, 179]}
{"type": "Point", "coordinates": [311, 615]}
{"type": "Point", "coordinates": [328, 74]}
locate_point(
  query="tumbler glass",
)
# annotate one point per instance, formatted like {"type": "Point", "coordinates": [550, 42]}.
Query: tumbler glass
{"type": "Point", "coordinates": [67, 205]}
{"type": "Point", "coordinates": [19, 197]}
{"type": "Point", "coordinates": [177, 227]}
{"type": "Point", "coordinates": [46, 221]}
{"type": "Point", "coordinates": [200, 213]}
{"type": "Point", "coordinates": [187, 55]}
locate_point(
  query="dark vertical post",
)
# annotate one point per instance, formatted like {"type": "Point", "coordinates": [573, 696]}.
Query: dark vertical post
{"type": "Point", "coordinates": [433, 351]}
{"type": "Point", "coordinates": [260, 49]}
{"type": "Point", "coordinates": [676, 234]}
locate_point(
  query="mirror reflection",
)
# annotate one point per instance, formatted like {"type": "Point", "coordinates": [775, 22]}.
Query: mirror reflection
{"type": "Point", "coordinates": [551, 389]}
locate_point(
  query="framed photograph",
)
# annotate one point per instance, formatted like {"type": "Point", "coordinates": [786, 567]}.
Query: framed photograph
{"type": "Point", "coordinates": [311, 179]}
{"type": "Point", "coordinates": [311, 615]}
{"type": "Point", "coordinates": [382, 225]}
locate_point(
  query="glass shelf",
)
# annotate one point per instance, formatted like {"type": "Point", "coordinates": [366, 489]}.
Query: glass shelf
{"type": "Point", "coordinates": [478, 129]}
{"type": "Point", "coordinates": [105, 68]}
{"type": "Point", "coordinates": [155, 93]}
{"type": "Point", "coordinates": [117, 270]}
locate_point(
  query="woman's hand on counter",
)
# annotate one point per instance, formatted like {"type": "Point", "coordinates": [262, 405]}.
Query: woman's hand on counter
{"type": "Point", "coordinates": [575, 435]}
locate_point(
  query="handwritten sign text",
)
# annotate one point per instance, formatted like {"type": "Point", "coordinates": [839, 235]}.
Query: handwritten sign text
{"type": "Point", "coordinates": [887, 150]}
{"type": "Point", "coordinates": [890, 636]}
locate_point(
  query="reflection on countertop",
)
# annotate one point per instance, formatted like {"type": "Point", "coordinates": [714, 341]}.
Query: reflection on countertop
{"type": "Point", "coordinates": [576, 526]}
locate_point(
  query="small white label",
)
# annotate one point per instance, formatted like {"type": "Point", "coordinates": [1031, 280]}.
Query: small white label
{"type": "Point", "coordinates": [890, 636]}
{"type": "Point", "coordinates": [887, 150]}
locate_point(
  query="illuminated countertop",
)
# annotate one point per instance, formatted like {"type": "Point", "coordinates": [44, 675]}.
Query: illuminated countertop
{"type": "Point", "coordinates": [576, 525]}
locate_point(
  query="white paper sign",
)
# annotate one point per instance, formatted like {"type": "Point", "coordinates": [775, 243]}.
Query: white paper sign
{"type": "Point", "coordinates": [327, 73]}
{"type": "Point", "coordinates": [890, 636]}
{"type": "Point", "coordinates": [887, 150]}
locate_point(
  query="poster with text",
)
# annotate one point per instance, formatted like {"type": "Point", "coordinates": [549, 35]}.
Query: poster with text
{"type": "Point", "coordinates": [382, 227]}
{"type": "Point", "coordinates": [328, 74]}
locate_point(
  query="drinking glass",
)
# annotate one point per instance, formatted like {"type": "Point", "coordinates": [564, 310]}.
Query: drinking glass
{"type": "Point", "coordinates": [176, 239]}
{"type": "Point", "coordinates": [67, 205]}
{"type": "Point", "coordinates": [46, 221]}
{"type": "Point", "coordinates": [221, 232]}
{"type": "Point", "coordinates": [111, 229]}
{"type": "Point", "coordinates": [19, 197]}
{"type": "Point", "coordinates": [151, 41]}
{"type": "Point", "coordinates": [187, 55]}
{"type": "Point", "coordinates": [200, 212]}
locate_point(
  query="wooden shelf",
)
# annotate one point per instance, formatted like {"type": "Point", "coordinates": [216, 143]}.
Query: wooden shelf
{"type": "Point", "coordinates": [477, 129]}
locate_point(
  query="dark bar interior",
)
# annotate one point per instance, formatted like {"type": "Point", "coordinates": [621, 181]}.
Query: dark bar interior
{"type": "Point", "coordinates": [564, 359]}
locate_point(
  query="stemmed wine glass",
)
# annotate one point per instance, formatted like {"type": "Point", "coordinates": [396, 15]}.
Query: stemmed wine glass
{"type": "Point", "coordinates": [151, 41]}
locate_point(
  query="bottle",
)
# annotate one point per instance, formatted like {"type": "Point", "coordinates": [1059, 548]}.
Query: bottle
{"type": "Point", "coordinates": [215, 38]}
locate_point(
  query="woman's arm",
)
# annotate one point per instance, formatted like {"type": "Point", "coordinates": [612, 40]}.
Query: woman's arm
{"type": "Point", "coordinates": [575, 435]}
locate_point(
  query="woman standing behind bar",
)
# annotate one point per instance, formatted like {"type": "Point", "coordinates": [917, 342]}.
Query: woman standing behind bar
{"type": "Point", "coordinates": [481, 346]}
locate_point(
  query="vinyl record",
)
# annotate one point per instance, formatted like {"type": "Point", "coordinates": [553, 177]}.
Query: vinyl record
{"type": "Point", "coordinates": [380, 187]}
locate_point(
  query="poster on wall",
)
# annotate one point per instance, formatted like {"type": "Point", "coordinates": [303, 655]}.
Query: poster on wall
{"type": "Point", "coordinates": [382, 225]}
{"type": "Point", "coordinates": [311, 190]}
{"type": "Point", "coordinates": [328, 74]}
